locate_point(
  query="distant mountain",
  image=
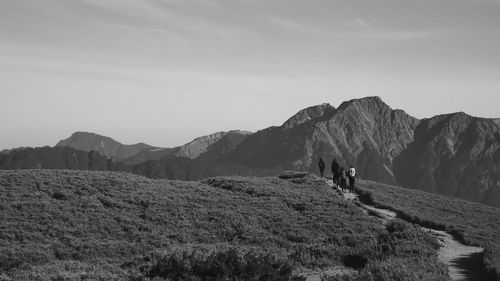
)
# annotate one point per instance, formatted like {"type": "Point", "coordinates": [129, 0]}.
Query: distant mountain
{"type": "Point", "coordinates": [456, 155]}
{"type": "Point", "coordinates": [203, 157]}
{"type": "Point", "coordinates": [148, 154]}
{"type": "Point", "coordinates": [7, 151]}
{"type": "Point", "coordinates": [213, 145]}
{"type": "Point", "coordinates": [57, 158]}
{"type": "Point", "coordinates": [453, 154]}
{"type": "Point", "coordinates": [104, 145]}
{"type": "Point", "coordinates": [221, 142]}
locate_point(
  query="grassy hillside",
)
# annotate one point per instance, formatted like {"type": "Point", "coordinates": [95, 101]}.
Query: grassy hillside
{"type": "Point", "coordinates": [473, 223]}
{"type": "Point", "coordinates": [80, 225]}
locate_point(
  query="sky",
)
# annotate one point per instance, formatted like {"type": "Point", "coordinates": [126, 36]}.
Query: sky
{"type": "Point", "coordinates": [166, 71]}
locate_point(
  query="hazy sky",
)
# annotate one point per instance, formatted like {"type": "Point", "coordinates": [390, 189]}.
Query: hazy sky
{"type": "Point", "coordinates": [166, 71]}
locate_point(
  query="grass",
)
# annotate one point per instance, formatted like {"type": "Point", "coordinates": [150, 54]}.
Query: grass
{"type": "Point", "coordinates": [81, 225]}
{"type": "Point", "coordinates": [223, 262]}
{"type": "Point", "coordinates": [472, 223]}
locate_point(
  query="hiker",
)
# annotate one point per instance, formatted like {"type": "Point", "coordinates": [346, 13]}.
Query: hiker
{"type": "Point", "coordinates": [335, 168]}
{"type": "Point", "coordinates": [351, 175]}
{"type": "Point", "coordinates": [343, 179]}
{"type": "Point", "coordinates": [321, 165]}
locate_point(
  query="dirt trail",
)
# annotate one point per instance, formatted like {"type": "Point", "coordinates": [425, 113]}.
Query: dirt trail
{"type": "Point", "coordinates": [464, 262]}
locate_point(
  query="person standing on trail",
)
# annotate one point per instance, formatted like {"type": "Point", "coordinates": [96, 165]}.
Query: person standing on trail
{"type": "Point", "coordinates": [321, 165]}
{"type": "Point", "coordinates": [343, 179]}
{"type": "Point", "coordinates": [335, 175]}
{"type": "Point", "coordinates": [351, 175]}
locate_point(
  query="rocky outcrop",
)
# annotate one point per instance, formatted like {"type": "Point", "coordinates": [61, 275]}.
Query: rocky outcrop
{"type": "Point", "coordinates": [104, 145]}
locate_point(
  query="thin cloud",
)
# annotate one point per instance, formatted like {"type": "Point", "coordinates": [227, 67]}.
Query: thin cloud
{"type": "Point", "coordinates": [359, 27]}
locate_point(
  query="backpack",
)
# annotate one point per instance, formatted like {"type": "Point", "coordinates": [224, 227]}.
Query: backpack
{"type": "Point", "coordinates": [352, 172]}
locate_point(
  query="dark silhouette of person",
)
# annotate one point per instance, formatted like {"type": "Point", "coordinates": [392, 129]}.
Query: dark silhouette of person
{"type": "Point", "coordinates": [321, 165]}
{"type": "Point", "coordinates": [335, 172]}
{"type": "Point", "coordinates": [343, 179]}
{"type": "Point", "coordinates": [351, 175]}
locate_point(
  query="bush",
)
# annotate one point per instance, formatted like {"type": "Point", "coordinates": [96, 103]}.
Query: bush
{"type": "Point", "coordinates": [355, 261]}
{"type": "Point", "coordinates": [397, 226]}
{"type": "Point", "coordinates": [227, 263]}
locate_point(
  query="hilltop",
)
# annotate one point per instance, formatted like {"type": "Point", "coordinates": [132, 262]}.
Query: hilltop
{"type": "Point", "coordinates": [118, 226]}
{"type": "Point", "coordinates": [104, 145]}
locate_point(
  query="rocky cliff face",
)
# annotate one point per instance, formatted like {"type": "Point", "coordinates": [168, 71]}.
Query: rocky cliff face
{"type": "Point", "coordinates": [456, 155]}
{"type": "Point", "coordinates": [104, 145]}
{"type": "Point", "coordinates": [364, 132]}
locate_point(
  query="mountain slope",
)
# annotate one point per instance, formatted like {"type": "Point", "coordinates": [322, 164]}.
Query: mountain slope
{"type": "Point", "coordinates": [80, 225]}
{"type": "Point", "coordinates": [104, 145]}
{"type": "Point", "coordinates": [364, 132]}
{"type": "Point", "coordinates": [472, 223]}
{"type": "Point", "coordinates": [307, 114]}
{"type": "Point", "coordinates": [456, 155]}
{"type": "Point", "coordinates": [7, 151]}
{"type": "Point", "coordinates": [214, 145]}
{"type": "Point", "coordinates": [148, 154]}
{"type": "Point", "coordinates": [57, 158]}
{"type": "Point", "coordinates": [220, 142]}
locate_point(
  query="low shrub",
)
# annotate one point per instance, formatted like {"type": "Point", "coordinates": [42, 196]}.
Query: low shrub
{"type": "Point", "coordinates": [355, 261]}
{"type": "Point", "coordinates": [225, 263]}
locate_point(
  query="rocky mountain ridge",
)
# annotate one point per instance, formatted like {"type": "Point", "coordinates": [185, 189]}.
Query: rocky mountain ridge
{"type": "Point", "coordinates": [204, 144]}
{"type": "Point", "coordinates": [452, 154]}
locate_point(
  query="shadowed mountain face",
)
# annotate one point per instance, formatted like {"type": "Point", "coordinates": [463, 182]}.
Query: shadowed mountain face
{"type": "Point", "coordinates": [7, 151]}
{"type": "Point", "coordinates": [148, 154]}
{"type": "Point", "coordinates": [104, 145]}
{"type": "Point", "coordinates": [456, 155]}
{"type": "Point", "coordinates": [57, 158]}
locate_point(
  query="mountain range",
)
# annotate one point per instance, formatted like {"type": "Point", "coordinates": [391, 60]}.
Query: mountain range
{"type": "Point", "coordinates": [452, 154]}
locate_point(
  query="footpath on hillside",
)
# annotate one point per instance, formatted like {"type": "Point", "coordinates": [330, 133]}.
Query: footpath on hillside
{"type": "Point", "coordinates": [463, 262]}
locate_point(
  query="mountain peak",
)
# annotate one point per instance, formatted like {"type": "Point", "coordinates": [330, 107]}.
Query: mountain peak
{"type": "Point", "coordinates": [82, 133]}
{"type": "Point", "coordinates": [366, 102]}
{"type": "Point", "coordinates": [307, 114]}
